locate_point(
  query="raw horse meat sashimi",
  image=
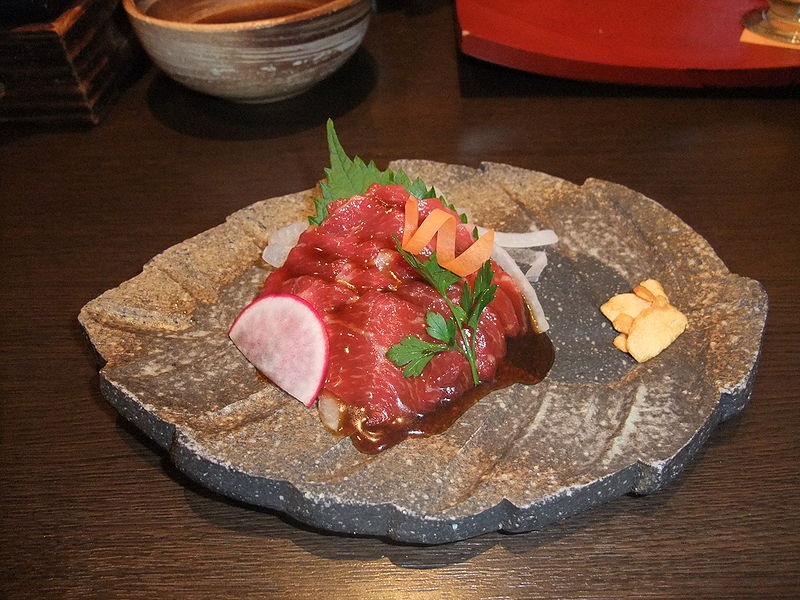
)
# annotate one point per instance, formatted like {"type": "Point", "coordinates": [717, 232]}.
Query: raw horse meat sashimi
{"type": "Point", "coordinates": [369, 298]}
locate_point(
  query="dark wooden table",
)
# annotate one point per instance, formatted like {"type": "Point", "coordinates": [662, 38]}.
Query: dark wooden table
{"type": "Point", "coordinates": [91, 509]}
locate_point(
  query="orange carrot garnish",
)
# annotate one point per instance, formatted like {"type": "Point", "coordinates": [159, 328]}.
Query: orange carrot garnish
{"type": "Point", "coordinates": [411, 219]}
{"type": "Point", "coordinates": [442, 225]}
{"type": "Point", "coordinates": [425, 232]}
{"type": "Point", "coordinates": [473, 257]}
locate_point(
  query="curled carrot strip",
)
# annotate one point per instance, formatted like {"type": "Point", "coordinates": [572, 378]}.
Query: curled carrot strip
{"type": "Point", "coordinates": [446, 240]}
{"type": "Point", "coordinates": [473, 257]}
{"type": "Point", "coordinates": [411, 220]}
{"type": "Point", "coordinates": [424, 234]}
{"type": "Point", "coordinates": [442, 225]}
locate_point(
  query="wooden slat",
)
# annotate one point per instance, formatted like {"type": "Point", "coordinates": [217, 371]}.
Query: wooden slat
{"type": "Point", "coordinates": [67, 70]}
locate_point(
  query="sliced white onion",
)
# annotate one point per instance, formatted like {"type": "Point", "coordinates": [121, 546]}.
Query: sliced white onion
{"type": "Point", "coordinates": [510, 266]}
{"type": "Point", "coordinates": [330, 412]}
{"type": "Point", "coordinates": [527, 239]}
{"type": "Point", "coordinates": [281, 242]}
{"type": "Point", "coordinates": [537, 266]}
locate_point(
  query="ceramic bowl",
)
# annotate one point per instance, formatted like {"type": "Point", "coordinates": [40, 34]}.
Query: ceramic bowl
{"type": "Point", "coordinates": [249, 50]}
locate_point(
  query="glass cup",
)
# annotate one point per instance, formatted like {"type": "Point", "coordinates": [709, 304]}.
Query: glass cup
{"type": "Point", "coordinates": [779, 21]}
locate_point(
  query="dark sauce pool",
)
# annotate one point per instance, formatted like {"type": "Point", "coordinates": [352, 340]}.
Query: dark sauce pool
{"type": "Point", "coordinates": [528, 360]}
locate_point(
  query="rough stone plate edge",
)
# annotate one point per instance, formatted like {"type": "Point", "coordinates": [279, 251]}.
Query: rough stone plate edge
{"type": "Point", "coordinates": [393, 522]}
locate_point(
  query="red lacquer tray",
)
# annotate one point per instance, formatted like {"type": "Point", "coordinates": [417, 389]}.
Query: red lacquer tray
{"type": "Point", "coordinates": [678, 43]}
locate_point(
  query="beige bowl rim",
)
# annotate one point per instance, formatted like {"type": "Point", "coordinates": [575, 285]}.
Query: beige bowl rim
{"type": "Point", "coordinates": [132, 8]}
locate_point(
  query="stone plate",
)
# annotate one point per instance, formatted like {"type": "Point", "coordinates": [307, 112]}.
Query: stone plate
{"type": "Point", "coordinates": [599, 426]}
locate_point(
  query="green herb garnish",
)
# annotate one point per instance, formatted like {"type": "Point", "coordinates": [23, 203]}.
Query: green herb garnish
{"type": "Point", "coordinates": [414, 354]}
{"type": "Point", "coordinates": [458, 331]}
{"type": "Point", "coordinates": [347, 177]}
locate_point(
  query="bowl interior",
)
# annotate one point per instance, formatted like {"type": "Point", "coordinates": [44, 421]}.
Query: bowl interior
{"type": "Point", "coordinates": [227, 12]}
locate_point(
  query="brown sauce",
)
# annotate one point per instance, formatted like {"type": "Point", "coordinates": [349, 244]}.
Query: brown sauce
{"type": "Point", "coordinates": [528, 360]}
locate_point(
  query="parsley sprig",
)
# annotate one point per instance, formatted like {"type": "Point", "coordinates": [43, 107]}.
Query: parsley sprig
{"type": "Point", "coordinates": [456, 332]}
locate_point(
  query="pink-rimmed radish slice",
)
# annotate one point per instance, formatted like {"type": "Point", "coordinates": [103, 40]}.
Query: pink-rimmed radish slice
{"type": "Point", "coordinates": [283, 336]}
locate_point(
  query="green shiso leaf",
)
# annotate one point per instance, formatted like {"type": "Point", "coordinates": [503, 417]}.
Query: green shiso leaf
{"type": "Point", "coordinates": [347, 177]}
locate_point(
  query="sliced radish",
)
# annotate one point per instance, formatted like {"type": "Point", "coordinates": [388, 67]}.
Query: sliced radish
{"type": "Point", "coordinates": [284, 337]}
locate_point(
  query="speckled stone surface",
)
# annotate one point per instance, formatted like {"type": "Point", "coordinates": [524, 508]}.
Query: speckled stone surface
{"type": "Point", "coordinates": [599, 426]}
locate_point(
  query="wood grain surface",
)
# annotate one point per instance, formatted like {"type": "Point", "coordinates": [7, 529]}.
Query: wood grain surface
{"type": "Point", "coordinates": [90, 509]}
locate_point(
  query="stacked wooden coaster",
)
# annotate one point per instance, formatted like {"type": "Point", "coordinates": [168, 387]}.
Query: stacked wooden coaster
{"type": "Point", "coordinates": [68, 69]}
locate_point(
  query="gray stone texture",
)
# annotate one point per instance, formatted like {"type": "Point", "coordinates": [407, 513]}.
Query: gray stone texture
{"type": "Point", "coordinates": [598, 427]}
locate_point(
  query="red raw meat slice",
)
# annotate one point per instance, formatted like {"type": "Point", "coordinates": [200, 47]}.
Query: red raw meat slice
{"type": "Point", "coordinates": [361, 375]}
{"type": "Point", "coordinates": [509, 307]}
{"type": "Point", "coordinates": [348, 268]}
{"type": "Point", "coordinates": [324, 296]}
